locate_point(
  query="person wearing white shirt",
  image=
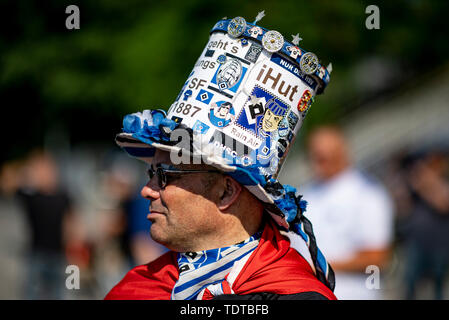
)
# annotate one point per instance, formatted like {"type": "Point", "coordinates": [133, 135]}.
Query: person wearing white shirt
{"type": "Point", "coordinates": [351, 214]}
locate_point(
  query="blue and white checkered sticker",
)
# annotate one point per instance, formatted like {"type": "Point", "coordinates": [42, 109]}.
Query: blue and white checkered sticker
{"type": "Point", "coordinates": [204, 96]}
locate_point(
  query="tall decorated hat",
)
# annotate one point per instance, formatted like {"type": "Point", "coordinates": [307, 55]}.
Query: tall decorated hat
{"type": "Point", "coordinates": [239, 110]}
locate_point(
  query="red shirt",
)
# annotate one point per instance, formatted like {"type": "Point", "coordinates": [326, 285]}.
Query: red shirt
{"type": "Point", "coordinates": [273, 267]}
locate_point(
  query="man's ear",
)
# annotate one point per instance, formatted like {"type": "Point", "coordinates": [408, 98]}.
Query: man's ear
{"type": "Point", "coordinates": [230, 193]}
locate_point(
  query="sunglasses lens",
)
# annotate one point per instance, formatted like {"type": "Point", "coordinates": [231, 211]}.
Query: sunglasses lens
{"type": "Point", "coordinates": [150, 173]}
{"type": "Point", "coordinates": [161, 177]}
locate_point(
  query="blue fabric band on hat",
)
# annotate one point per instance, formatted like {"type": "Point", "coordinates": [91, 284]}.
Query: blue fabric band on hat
{"type": "Point", "coordinates": [248, 176]}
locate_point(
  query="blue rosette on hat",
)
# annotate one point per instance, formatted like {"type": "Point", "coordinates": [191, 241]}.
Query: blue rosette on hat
{"type": "Point", "coordinates": [239, 110]}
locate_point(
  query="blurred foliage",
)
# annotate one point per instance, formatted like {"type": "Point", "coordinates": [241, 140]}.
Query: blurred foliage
{"type": "Point", "coordinates": [135, 54]}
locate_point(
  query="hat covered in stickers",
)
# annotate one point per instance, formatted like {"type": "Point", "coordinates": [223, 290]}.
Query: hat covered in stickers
{"type": "Point", "coordinates": [239, 110]}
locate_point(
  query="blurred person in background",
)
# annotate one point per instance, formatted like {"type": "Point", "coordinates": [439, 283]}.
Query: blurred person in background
{"type": "Point", "coordinates": [125, 241]}
{"type": "Point", "coordinates": [140, 246]}
{"type": "Point", "coordinates": [131, 226]}
{"type": "Point", "coordinates": [426, 227]}
{"type": "Point", "coordinates": [48, 210]}
{"type": "Point", "coordinates": [351, 214]}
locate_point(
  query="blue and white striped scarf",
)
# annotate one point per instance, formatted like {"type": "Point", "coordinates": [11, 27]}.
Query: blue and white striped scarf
{"type": "Point", "coordinates": [198, 270]}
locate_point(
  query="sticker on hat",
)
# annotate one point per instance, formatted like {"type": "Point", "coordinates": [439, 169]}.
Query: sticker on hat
{"type": "Point", "coordinates": [200, 127]}
{"type": "Point", "coordinates": [209, 53]}
{"type": "Point", "coordinates": [305, 101]}
{"type": "Point", "coordinates": [236, 27]}
{"type": "Point", "coordinates": [221, 59]}
{"type": "Point", "coordinates": [294, 51]}
{"type": "Point", "coordinates": [229, 75]}
{"type": "Point", "coordinates": [204, 96]}
{"type": "Point", "coordinates": [272, 41]}
{"type": "Point", "coordinates": [235, 150]}
{"type": "Point", "coordinates": [309, 63]}
{"type": "Point", "coordinates": [176, 119]}
{"type": "Point", "coordinates": [255, 32]}
{"type": "Point", "coordinates": [221, 113]}
{"type": "Point", "coordinates": [262, 113]}
{"type": "Point", "coordinates": [253, 52]}
{"type": "Point", "coordinates": [187, 94]}
{"type": "Point", "coordinates": [275, 111]}
{"type": "Point", "coordinates": [321, 72]}
{"type": "Point", "coordinates": [283, 127]}
{"type": "Point", "coordinates": [273, 126]}
{"type": "Point", "coordinates": [292, 120]}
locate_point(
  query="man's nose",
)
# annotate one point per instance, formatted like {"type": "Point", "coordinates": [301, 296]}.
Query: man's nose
{"type": "Point", "coordinates": [150, 190]}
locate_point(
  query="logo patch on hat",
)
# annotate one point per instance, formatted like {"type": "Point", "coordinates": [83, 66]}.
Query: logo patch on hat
{"type": "Point", "coordinates": [221, 113]}
{"type": "Point", "coordinates": [221, 59]}
{"type": "Point", "coordinates": [209, 53]}
{"type": "Point", "coordinates": [229, 75]}
{"type": "Point", "coordinates": [305, 101]}
{"type": "Point", "coordinates": [200, 127]}
{"type": "Point", "coordinates": [292, 120]}
{"type": "Point", "coordinates": [283, 127]}
{"type": "Point", "coordinates": [262, 112]}
{"type": "Point", "coordinates": [272, 41]}
{"type": "Point", "coordinates": [253, 53]}
{"type": "Point", "coordinates": [204, 96]}
{"type": "Point", "coordinates": [294, 51]}
{"type": "Point", "coordinates": [187, 94]}
{"type": "Point", "coordinates": [309, 63]}
{"type": "Point", "coordinates": [255, 32]}
{"type": "Point", "coordinates": [236, 27]}
{"type": "Point", "coordinates": [176, 119]}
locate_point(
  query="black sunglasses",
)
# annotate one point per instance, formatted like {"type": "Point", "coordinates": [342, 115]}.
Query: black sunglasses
{"type": "Point", "coordinates": [162, 172]}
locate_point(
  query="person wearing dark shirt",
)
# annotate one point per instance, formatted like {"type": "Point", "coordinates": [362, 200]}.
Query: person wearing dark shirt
{"type": "Point", "coordinates": [45, 214]}
{"type": "Point", "coordinates": [47, 208]}
{"type": "Point", "coordinates": [426, 228]}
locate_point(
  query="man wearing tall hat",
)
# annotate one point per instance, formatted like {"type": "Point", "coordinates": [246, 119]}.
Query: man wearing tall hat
{"type": "Point", "coordinates": [233, 230]}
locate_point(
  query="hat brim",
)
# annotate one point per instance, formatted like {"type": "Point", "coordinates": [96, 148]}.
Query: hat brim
{"type": "Point", "coordinates": [145, 149]}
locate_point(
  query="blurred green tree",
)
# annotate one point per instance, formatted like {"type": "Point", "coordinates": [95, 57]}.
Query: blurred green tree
{"type": "Point", "coordinates": [136, 54]}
